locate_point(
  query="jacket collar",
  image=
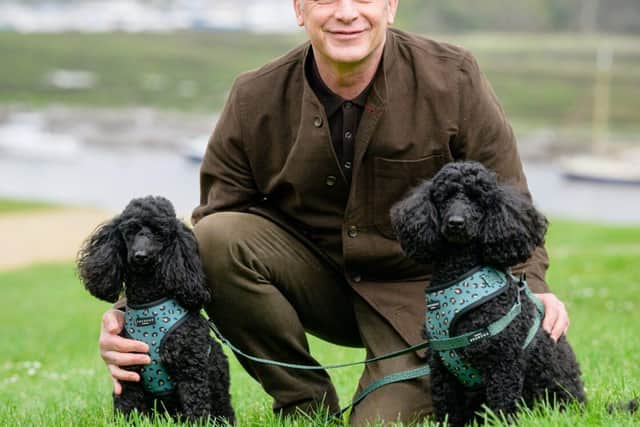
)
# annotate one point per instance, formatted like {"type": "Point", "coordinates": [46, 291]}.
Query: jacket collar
{"type": "Point", "coordinates": [331, 101]}
{"type": "Point", "coordinates": [375, 104]}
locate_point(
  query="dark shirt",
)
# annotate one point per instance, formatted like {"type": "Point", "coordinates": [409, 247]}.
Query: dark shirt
{"type": "Point", "coordinates": [343, 114]}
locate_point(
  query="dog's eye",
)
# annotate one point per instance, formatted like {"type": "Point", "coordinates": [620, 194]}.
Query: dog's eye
{"type": "Point", "coordinates": [130, 229]}
{"type": "Point", "coordinates": [442, 197]}
{"type": "Point", "coordinates": [473, 193]}
{"type": "Point", "coordinates": [452, 193]}
{"type": "Point", "coordinates": [155, 230]}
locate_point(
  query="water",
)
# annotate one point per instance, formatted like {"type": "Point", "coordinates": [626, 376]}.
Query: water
{"type": "Point", "coordinates": [559, 197]}
{"type": "Point", "coordinates": [110, 178]}
{"type": "Point", "coordinates": [103, 178]}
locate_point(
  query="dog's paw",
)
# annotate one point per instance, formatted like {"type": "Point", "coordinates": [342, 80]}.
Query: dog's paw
{"type": "Point", "coordinates": [630, 406]}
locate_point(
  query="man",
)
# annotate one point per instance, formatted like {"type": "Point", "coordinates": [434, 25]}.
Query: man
{"type": "Point", "coordinates": [308, 156]}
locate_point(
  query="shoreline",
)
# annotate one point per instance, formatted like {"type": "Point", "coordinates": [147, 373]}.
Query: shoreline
{"type": "Point", "coordinates": [51, 235]}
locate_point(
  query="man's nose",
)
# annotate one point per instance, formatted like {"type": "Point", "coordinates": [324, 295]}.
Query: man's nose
{"type": "Point", "coordinates": [346, 11]}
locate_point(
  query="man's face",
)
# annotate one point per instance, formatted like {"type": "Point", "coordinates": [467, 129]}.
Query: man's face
{"type": "Point", "coordinates": [345, 31]}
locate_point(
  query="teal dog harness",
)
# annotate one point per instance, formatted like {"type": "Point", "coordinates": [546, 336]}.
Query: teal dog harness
{"type": "Point", "coordinates": [152, 323]}
{"type": "Point", "coordinates": [447, 302]}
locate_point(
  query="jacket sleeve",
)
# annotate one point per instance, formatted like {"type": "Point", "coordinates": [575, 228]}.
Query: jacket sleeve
{"type": "Point", "coordinates": [485, 135]}
{"type": "Point", "coordinates": [226, 179]}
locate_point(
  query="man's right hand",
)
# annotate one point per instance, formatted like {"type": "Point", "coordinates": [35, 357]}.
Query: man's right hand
{"type": "Point", "coordinates": [118, 352]}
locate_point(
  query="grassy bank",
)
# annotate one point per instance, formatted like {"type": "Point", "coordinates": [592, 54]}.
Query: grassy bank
{"type": "Point", "coordinates": [12, 205]}
{"type": "Point", "coordinates": [185, 71]}
{"type": "Point", "coordinates": [51, 374]}
{"type": "Point", "coordinates": [542, 80]}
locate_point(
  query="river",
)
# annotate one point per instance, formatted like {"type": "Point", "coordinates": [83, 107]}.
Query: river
{"type": "Point", "coordinates": [108, 178]}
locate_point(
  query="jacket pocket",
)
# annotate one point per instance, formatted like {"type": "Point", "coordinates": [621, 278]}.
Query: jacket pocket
{"type": "Point", "coordinates": [393, 179]}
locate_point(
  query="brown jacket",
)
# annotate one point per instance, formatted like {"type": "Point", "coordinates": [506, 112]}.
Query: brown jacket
{"type": "Point", "coordinates": [429, 105]}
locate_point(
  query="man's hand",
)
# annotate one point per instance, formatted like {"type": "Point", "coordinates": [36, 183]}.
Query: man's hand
{"type": "Point", "coordinates": [117, 351]}
{"type": "Point", "coordinates": [556, 318]}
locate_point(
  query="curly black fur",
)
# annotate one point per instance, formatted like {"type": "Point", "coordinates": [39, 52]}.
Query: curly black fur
{"type": "Point", "coordinates": [461, 219]}
{"type": "Point", "coordinates": [152, 255]}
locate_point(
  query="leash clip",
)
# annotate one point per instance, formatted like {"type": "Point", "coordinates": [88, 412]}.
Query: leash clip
{"type": "Point", "coordinates": [523, 278]}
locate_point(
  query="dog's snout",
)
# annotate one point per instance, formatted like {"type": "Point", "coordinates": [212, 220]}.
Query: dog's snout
{"type": "Point", "coordinates": [455, 221]}
{"type": "Point", "coordinates": [140, 256]}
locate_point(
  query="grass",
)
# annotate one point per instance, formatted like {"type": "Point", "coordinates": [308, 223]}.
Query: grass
{"type": "Point", "coordinates": [51, 374]}
{"type": "Point", "coordinates": [12, 205]}
{"type": "Point", "coordinates": [543, 80]}
{"type": "Point", "coordinates": [185, 71]}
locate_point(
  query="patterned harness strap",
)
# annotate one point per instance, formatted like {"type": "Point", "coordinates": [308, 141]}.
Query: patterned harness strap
{"type": "Point", "coordinates": [447, 302]}
{"type": "Point", "coordinates": [151, 323]}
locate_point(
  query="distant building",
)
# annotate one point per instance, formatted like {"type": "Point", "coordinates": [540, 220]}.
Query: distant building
{"type": "Point", "coordinates": [151, 15]}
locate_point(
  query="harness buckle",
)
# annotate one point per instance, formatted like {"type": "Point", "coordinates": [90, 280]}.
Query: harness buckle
{"type": "Point", "coordinates": [522, 287]}
{"type": "Point", "coordinates": [479, 335]}
{"type": "Point", "coordinates": [523, 277]}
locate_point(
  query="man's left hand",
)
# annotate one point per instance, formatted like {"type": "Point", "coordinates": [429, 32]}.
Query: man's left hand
{"type": "Point", "coordinates": [556, 317]}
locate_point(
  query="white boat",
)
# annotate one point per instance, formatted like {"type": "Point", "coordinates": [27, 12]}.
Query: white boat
{"type": "Point", "coordinates": [623, 168]}
{"type": "Point", "coordinates": [23, 140]}
{"type": "Point", "coordinates": [195, 148]}
{"type": "Point", "coordinates": [608, 164]}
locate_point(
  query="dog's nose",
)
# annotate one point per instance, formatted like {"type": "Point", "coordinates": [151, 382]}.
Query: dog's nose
{"type": "Point", "coordinates": [140, 256]}
{"type": "Point", "coordinates": [455, 221]}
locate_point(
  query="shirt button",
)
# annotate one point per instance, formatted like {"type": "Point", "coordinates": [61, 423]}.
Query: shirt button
{"type": "Point", "coordinates": [317, 121]}
{"type": "Point", "coordinates": [353, 231]}
{"type": "Point", "coordinates": [348, 105]}
{"type": "Point", "coordinates": [356, 278]}
{"type": "Point", "coordinates": [347, 165]}
{"type": "Point", "coordinates": [331, 181]}
{"type": "Point", "coordinates": [347, 136]}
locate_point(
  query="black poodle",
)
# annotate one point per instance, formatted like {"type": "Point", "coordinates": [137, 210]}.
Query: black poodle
{"type": "Point", "coordinates": [472, 230]}
{"type": "Point", "coordinates": [153, 256]}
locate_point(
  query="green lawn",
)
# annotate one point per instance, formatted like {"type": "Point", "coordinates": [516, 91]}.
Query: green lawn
{"type": "Point", "coordinates": [185, 71]}
{"type": "Point", "coordinates": [51, 374]}
{"type": "Point", "coordinates": [13, 205]}
{"type": "Point", "coordinates": [543, 80]}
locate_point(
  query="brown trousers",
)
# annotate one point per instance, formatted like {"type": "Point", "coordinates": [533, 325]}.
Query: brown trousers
{"type": "Point", "coordinates": [269, 289]}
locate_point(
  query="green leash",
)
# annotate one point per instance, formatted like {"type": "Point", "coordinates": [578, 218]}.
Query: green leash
{"type": "Point", "coordinates": [388, 379]}
{"type": "Point", "coordinates": [444, 344]}
{"type": "Point", "coordinates": [236, 350]}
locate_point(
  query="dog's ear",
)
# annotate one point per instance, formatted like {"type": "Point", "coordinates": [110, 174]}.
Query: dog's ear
{"type": "Point", "coordinates": [416, 224]}
{"type": "Point", "coordinates": [101, 262]}
{"type": "Point", "coordinates": [512, 228]}
{"type": "Point", "coordinates": [183, 270]}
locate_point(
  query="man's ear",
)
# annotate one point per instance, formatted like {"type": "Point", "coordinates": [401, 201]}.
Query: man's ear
{"type": "Point", "coordinates": [392, 8]}
{"type": "Point", "coordinates": [297, 8]}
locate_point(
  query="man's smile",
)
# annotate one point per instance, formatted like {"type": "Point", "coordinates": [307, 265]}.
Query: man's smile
{"type": "Point", "coordinates": [346, 34]}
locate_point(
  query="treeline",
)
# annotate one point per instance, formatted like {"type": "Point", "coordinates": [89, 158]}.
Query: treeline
{"type": "Point", "coordinates": [609, 16]}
